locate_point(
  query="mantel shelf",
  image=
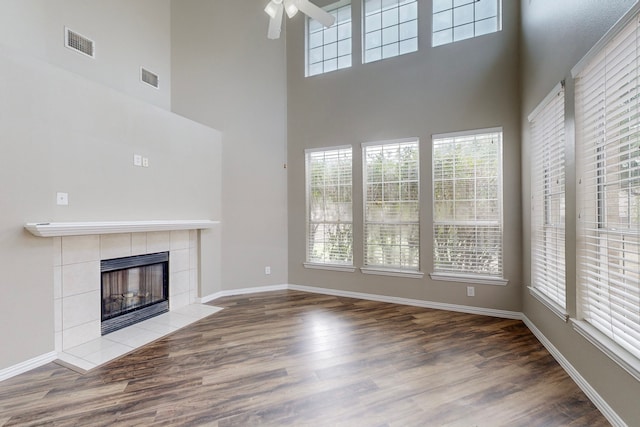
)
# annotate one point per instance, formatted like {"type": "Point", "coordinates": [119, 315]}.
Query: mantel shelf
{"type": "Point", "coordinates": [60, 229]}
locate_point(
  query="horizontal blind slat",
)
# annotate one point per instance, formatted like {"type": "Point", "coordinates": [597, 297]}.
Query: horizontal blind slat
{"type": "Point", "coordinates": [329, 206]}
{"type": "Point", "coordinates": [467, 204]}
{"type": "Point", "coordinates": [607, 133]}
{"type": "Point", "coordinates": [547, 264]}
{"type": "Point", "coordinates": [391, 204]}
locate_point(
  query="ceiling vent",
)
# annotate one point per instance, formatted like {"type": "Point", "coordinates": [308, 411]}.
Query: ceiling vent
{"type": "Point", "coordinates": [79, 43]}
{"type": "Point", "coordinates": [149, 78]}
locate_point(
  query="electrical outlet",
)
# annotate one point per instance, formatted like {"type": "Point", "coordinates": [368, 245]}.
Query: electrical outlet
{"type": "Point", "coordinates": [471, 291]}
{"type": "Point", "coordinates": [145, 162]}
{"type": "Point", "coordinates": [62, 199]}
{"type": "Point", "coordinates": [267, 270]}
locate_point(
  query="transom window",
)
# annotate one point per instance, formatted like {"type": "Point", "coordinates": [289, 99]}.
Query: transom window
{"type": "Point", "coordinates": [329, 217]}
{"type": "Point", "coordinates": [392, 205]}
{"type": "Point", "coordinates": [467, 203]}
{"type": "Point", "coordinates": [455, 20]}
{"type": "Point", "coordinates": [390, 28]}
{"type": "Point", "coordinates": [329, 49]}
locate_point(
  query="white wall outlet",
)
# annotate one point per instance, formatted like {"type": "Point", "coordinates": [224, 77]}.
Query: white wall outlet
{"type": "Point", "coordinates": [471, 291]}
{"type": "Point", "coordinates": [267, 270]}
{"type": "Point", "coordinates": [137, 160]}
{"type": "Point", "coordinates": [145, 162]}
{"type": "Point", "coordinates": [62, 199]}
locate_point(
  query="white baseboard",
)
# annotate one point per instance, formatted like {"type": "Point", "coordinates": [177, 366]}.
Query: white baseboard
{"type": "Point", "coordinates": [371, 297]}
{"type": "Point", "coordinates": [243, 291]}
{"type": "Point", "coordinates": [591, 393]}
{"type": "Point", "coordinates": [412, 302]}
{"type": "Point", "coordinates": [27, 365]}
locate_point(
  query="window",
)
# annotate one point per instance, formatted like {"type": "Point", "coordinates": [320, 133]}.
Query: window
{"type": "Point", "coordinates": [329, 220]}
{"type": "Point", "coordinates": [329, 49]}
{"type": "Point", "coordinates": [392, 205]}
{"type": "Point", "coordinates": [455, 20]}
{"type": "Point", "coordinates": [548, 200]}
{"type": "Point", "coordinates": [608, 159]}
{"type": "Point", "coordinates": [390, 28]}
{"type": "Point", "coordinates": [467, 204]}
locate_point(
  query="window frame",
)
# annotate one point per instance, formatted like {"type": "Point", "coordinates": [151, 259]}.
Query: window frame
{"type": "Point", "coordinates": [334, 7]}
{"type": "Point", "coordinates": [397, 270]}
{"type": "Point", "coordinates": [548, 239]}
{"type": "Point", "coordinates": [462, 276]}
{"type": "Point", "coordinates": [596, 140]}
{"type": "Point", "coordinates": [398, 42]}
{"type": "Point", "coordinates": [453, 25]}
{"type": "Point", "coordinates": [309, 262]}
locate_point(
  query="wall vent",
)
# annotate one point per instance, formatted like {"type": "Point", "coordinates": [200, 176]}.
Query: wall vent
{"type": "Point", "coordinates": [79, 43]}
{"type": "Point", "coordinates": [149, 78]}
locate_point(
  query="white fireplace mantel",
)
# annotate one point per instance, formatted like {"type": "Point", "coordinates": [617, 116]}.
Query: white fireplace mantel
{"type": "Point", "coordinates": [61, 229]}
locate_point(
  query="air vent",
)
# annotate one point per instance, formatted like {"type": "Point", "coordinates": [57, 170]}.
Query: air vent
{"type": "Point", "coordinates": [79, 43]}
{"type": "Point", "coordinates": [149, 78]}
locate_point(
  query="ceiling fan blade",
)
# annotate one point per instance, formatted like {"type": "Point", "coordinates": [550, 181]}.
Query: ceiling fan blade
{"type": "Point", "coordinates": [275, 23]}
{"type": "Point", "coordinates": [314, 12]}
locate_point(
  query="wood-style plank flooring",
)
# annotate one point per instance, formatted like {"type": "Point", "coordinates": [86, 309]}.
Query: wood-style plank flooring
{"type": "Point", "coordinates": [298, 359]}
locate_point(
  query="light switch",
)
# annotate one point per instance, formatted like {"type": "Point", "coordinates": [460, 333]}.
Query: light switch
{"type": "Point", "coordinates": [137, 160]}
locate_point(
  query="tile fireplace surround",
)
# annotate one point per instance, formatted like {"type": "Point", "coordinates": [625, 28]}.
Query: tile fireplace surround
{"type": "Point", "coordinates": [77, 295]}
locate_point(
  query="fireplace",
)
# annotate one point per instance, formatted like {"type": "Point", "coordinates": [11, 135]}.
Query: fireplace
{"type": "Point", "coordinates": [133, 289]}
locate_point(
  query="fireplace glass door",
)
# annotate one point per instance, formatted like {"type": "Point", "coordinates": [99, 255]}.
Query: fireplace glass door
{"type": "Point", "coordinates": [133, 289]}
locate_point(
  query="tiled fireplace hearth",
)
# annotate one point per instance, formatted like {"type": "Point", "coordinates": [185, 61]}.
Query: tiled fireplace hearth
{"type": "Point", "coordinates": [77, 276]}
{"type": "Point", "coordinates": [77, 291]}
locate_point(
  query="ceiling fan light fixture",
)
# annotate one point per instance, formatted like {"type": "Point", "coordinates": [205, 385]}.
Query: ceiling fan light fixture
{"type": "Point", "coordinates": [272, 8]}
{"type": "Point", "coordinates": [291, 8]}
{"type": "Point", "coordinates": [276, 8]}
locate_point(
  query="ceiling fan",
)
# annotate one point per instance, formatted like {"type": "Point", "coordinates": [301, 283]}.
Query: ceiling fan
{"type": "Point", "coordinates": [276, 8]}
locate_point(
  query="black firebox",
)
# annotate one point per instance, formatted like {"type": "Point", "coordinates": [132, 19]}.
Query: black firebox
{"type": "Point", "coordinates": [134, 289]}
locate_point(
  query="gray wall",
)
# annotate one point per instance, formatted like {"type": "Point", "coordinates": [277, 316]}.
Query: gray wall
{"type": "Point", "coordinates": [467, 85]}
{"type": "Point", "coordinates": [127, 35]}
{"type": "Point", "coordinates": [218, 68]}
{"type": "Point", "coordinates": [62, 132]}
{"type": "Point", "coordinates": [555, 36]}
{"type": "Point", "coordinates": [69, 123]}
{"type": "Point", "coordinates": [228, 75]}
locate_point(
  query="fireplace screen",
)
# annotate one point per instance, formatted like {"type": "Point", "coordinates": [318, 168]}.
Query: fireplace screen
{"type": "Point", "coordinates": [134, 289]}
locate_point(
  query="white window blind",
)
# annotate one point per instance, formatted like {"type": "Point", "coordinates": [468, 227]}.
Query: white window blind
{"type": "Point", "coordinates": [329, 49]}
{"type": "Point", "coordinates": [548, 198]}
{"type": "Point", "coordinates": [467, 203]}
{"type": "Point", "coordinates": [392, 205]}
{"type": "Point", "coordinates": [608, 155]}
{"type": "Point", "coordinates": [390, 28]}
{"type": "Point", "coordinates": [329, 206]}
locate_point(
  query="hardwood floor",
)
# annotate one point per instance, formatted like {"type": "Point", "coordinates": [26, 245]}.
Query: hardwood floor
{"type": "Point", "coordinates": [293, 358]}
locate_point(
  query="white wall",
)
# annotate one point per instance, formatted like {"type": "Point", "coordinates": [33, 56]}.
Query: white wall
{"type": "Point", "coordinates": [467, 85]}
{"type": "Point", "coordinates": [227, 75]}
{"type": "Point", "coordinates": [127, 34]}
{"type": "Point", "coordinates": [62, 132]}
{"type": "Point", "coordinates": [554, 37]}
